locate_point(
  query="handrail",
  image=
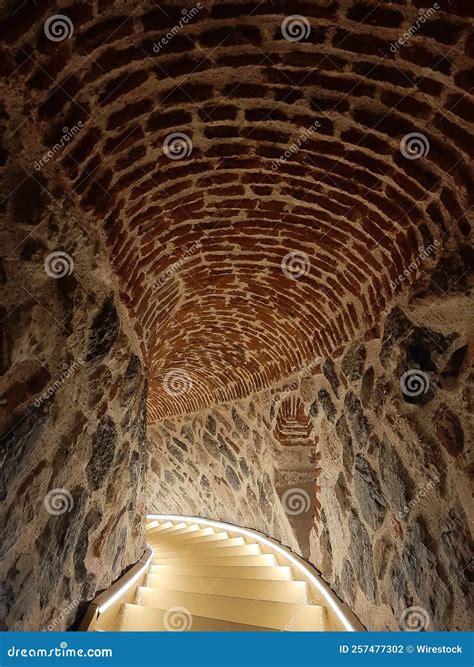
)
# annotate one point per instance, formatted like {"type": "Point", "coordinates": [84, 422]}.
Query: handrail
{"type": "Point", "coordinates": [95, 614]}
{"type": "Point", "coordinates": [341, 611]}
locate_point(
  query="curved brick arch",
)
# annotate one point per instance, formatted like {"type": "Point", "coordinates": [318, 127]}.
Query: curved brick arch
{"type": "Point", "coordinates": [226, 314]}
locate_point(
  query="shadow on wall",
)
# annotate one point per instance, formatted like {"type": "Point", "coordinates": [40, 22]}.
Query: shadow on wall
{"type": "Point", "coordinates": [361, 464]}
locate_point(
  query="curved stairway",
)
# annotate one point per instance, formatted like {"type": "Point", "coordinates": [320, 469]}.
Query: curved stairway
{"type": "Point", "coordinates": [209, 576]}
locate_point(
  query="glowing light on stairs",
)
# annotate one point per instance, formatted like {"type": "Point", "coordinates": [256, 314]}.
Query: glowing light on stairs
{"type": "Point", "coordinates": [296, 563]}
{"type": "Point", "coordinates": [123, 589]}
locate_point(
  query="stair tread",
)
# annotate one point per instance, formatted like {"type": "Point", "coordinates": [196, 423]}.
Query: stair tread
{"type": "Point", "coordinates": [135, 618]}
{"type": "Point", "coordinates": [178, 529]}
{"type": "Point", "coordinates": [275, 615]}
{"type": "Point", "coordinates": [263, 589]}
{"type": "Point", "coordinates": [244, 561]}
{"type": "Point", "coordinates": [199, 544]}
{"type": "Point", "coordinates": [186, 538]}
{"type": "Point", "coordinates": [182, 535]}
{"type": "Point", "coordinates": [274, 572]}
{"type": "Point", "coordinates": [230, 550]}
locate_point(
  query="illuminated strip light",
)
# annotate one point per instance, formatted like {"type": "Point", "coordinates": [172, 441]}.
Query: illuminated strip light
{"type": "Point", "coordinates": [276, 547]}
{"type": "Point", "coordinates": [123, 589]}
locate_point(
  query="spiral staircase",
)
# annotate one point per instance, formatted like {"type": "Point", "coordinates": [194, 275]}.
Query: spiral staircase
{"type": "Point", "coordinates": [202, 575]}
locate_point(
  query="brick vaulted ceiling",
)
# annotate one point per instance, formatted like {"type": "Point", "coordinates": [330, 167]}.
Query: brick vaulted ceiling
{"type": "Point", "coordinates": [198, 242]}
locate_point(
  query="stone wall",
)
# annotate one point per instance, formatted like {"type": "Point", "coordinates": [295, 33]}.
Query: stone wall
{"type": "Point", "coordinates": [221, 464]}
{"type": "Point", "coordinates": [367, 454]}
{"type": "Point", "coordinates": [73, 415]}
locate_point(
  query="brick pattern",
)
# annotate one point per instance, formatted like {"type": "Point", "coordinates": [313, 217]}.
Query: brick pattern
{"type": "Point", "coordinates": [242, 93]}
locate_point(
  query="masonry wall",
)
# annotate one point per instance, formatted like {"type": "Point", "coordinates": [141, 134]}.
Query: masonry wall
{"type": "Point", "coordinates": [366, 468]}
{"type": "Point", "coordinates": [72, 417]}
{"type": "Point", "coordinates": [222, 464]}
{"type": "Point", "coordinates": [210, 244]}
